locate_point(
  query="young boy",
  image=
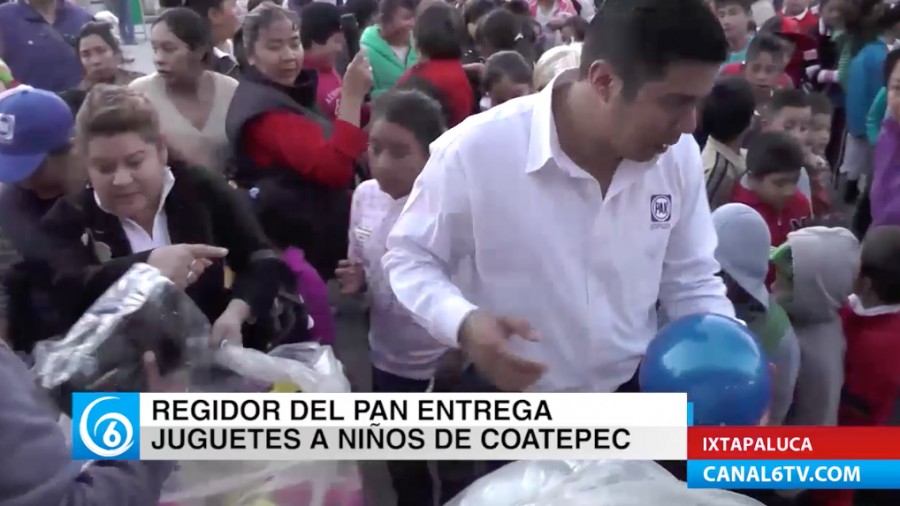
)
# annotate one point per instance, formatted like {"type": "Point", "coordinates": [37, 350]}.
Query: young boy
{"type": "Point", "coordinates": [763, 67]}
{"type": "Point", "coordinates": [789, 112]}
{"type": "Point", "coordinates": [735, 17]}
{"type": "Point", "coordinates": [743, 253]}
{"type": "Point", "coordinates": [506, 76]}
{"type": "Point", "coordinates": [815, 269]}
{"type": "Point", "coordinates": [774, 161]}
{"type": "Point", "coordinates": [871, 323]}
{"type": "Point", "coordinates": [727, 114]}
{"type": "Point", "coordinates": [818, 138]}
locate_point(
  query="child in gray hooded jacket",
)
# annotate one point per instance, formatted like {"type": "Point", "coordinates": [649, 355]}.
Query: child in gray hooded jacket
{"type": "Point", "coordinates": [816, 269]}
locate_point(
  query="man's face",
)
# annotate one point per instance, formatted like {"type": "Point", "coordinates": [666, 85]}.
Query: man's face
{"type": "Point", "coordinates": [735, 21]}
{"type": "Point", "coordinates": [57, 175]}
{"type": "Point", "coordinates": [794, 121]}
{"type": "Point", "coordinates": [652, 119]}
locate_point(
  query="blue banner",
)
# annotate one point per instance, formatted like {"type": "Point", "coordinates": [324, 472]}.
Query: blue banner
{"type": "Point", "coordinates": [794, 474]}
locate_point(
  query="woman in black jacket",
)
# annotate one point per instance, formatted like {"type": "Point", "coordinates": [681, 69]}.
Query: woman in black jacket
{"type": "Point", "coordinates": [187, 222]}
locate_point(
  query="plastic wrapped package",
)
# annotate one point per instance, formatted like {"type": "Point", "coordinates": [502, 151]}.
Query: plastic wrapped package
{"type": "Point", "coordinates": [589, 483]}
{"type": "Point", "coordinates": [142, 311]}
{"type": "Point", "coordinates": [303, 367]}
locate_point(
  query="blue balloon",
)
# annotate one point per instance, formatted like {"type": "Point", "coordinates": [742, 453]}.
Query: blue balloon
{"type": "Point", "coordinates": [718, 362]}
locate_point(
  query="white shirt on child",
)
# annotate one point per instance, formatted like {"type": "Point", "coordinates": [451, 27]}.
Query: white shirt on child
{"type": "Point", "coordinates": [398, 345]}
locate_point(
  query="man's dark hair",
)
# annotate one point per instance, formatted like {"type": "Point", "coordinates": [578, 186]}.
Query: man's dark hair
{"type": "Point", "coordinates": [820, 103]}
{"type": "Point", "coordinates": [202, 7]}
{"type": "Point", "coordinates": [773, 153]}
{"type": "Point", "coordinates": [506, 64]}
{"type": "Point", "coordinates": [640, 39]}
{"type": "Point", "coordinates": [743, 4]}
{"type": "Point", "coordinates": [439, 32]}
{"type": "Point", "coordinates": [477, 9]}
{"type": "Point", "coordinates": [728, 109]}
{"type": "Point", "coordinates": [890, 61]}
{"type": "Point", "coordinates": [878, 262]}
{"type": "Point", "coordinates": [786, 97]}
{"type": "Point", "coordinates": [765, 42]}
{"type": "Point", "coordinates": [318, 22]}
{"type": "Point", "coordinates": [387, 8]}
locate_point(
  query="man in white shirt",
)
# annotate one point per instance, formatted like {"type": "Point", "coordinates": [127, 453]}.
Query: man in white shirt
{"type": "Point", "coordinates": [581, 207]}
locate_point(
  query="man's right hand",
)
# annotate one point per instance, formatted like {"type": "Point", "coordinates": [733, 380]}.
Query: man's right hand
{"type": "Point", "coordinates": [485, 341]}
{"type": "Point", "coordinates": [351, 277]}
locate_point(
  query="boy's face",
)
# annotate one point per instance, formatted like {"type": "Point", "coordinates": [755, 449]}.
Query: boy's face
{"type": "Point", "coordinates": [832, 13]}
{"type": "Point", "coordinates": [793, 121]}
{"type": "Point", "coordinates": [795, 7]}
{"type": "Point", "coordinates": [762, 73]}
{"type": "Point", "coordinates": [735, 21]}
{"type": "Point", "coordinates": [819, 133]}
{"type": "Point", "coordinates": [505, 90]}
{"type": "Point", "coordinates": [775, 189]}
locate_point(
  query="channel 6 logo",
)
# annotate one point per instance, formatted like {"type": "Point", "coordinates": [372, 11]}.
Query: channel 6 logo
{"type": "Point", "coordinates": [106, 426]}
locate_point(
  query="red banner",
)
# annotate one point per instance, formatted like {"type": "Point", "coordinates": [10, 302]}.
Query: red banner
{"type": "Point", "coordinates": [793, 443]}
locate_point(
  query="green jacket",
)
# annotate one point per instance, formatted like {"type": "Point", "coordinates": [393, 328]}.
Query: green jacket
{"type": "Point", "coordinates": [770, 326]}
{"type": "Point", "coordinates": [386, 67]}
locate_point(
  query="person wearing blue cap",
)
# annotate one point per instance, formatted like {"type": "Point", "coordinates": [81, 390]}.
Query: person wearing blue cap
{"type": "Point", "coordinates": [36, 169]}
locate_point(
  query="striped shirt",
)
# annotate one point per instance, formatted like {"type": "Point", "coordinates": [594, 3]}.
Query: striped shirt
{"type": "Point", "coordinates": [722, 168]}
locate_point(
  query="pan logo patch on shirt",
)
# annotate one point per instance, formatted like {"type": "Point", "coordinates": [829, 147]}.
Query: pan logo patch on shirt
{"type": "Point", "coordinates": [660, 211]}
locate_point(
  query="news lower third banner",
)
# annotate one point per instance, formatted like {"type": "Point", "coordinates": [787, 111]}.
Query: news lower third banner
{"type": "Point", "coordinates": [794, 457]}
{"type": "Point", "coordinates": [280, 426]}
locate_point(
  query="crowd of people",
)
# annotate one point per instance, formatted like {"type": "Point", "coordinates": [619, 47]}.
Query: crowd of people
{"type": "Point", "coordinates": [522, 192]}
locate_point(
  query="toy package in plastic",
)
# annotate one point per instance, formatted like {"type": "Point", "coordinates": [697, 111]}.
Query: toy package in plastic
{"type": "Point", "coordinates": [142, 311]}
{"type": "Point", "coordinates": [589, 483]}
{"type": "Point", "coordinates": [302, 367]}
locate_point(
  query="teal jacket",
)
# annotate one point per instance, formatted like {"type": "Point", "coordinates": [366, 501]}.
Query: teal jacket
{"type": "Point", "coordinates": [876, 116]}
{"type": "Point", "coordinates": [386, 67]}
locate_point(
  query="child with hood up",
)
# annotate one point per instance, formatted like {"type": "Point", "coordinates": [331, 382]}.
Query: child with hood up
{"type": "Point", "coordinates": [815, 272]}
{"type": "Point", "coordinates": [743, 253]}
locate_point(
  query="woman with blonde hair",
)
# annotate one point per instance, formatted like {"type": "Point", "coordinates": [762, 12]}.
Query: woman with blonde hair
{"type": "Point", "coordinates": [553, 62]}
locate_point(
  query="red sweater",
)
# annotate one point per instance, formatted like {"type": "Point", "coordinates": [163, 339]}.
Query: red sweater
{"type": "Point", "coordinates": [289, 140]}
{"type": "Point", "coordinates": [871, 394]}
{"type": "Point", "coordinates": [790, 218]}
{"type": "Point", "coordinates": [451, 82]}
{"type": "Point", "coordinates": [808, 21]}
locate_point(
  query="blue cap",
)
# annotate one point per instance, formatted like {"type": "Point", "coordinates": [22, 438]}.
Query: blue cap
{"type": "Point", "coordinates": [32, 124]}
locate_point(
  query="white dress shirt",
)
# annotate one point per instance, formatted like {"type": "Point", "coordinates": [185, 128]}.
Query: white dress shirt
{"type": "Point", "coordinates": [397, 343]}
{"type": "Point", "coordinates": [585, 270]}
{"type": "Point", "coordinates": [138, 238]}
